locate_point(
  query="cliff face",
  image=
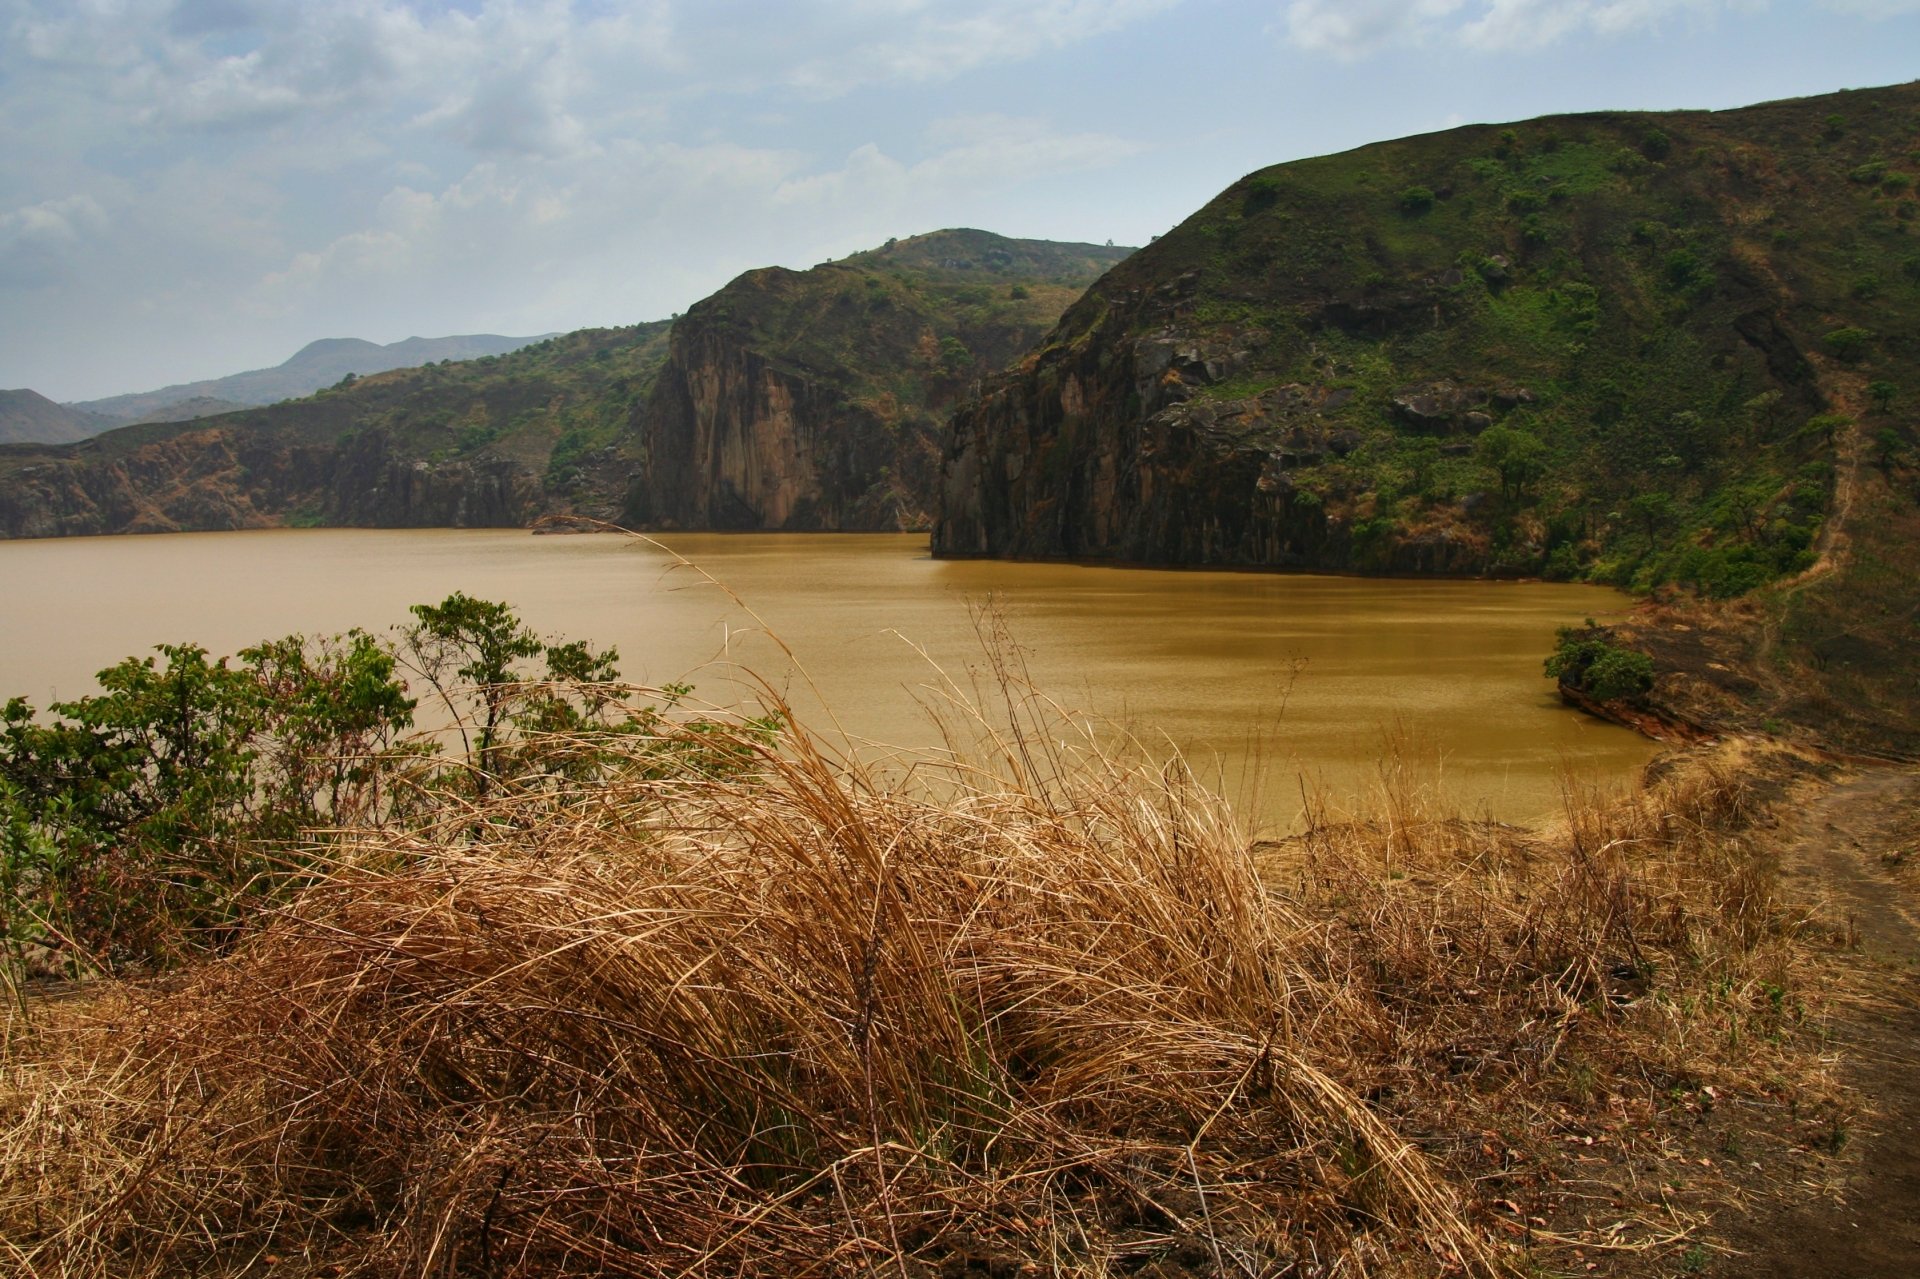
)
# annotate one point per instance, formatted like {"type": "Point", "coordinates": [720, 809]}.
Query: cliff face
{"type": "Point", "coordinates": [1586, 347]}
{"type": "Point", "coordinates": [814, 400]}
{"type": "Point", "coordinates": [1114, 452]}
{"type": "Point", "coordinates": [736, 443]}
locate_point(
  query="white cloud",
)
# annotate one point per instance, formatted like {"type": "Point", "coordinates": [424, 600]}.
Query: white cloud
{"type": "Point", "coordinates": [641, 206]}
{"type": "Point", "coordinates": [1531, 24]}
{"type": "Point", "coordinates": [909, 40]}
{"type": "Point", "coordinates": [1351, 29]}
{"type": "Point", "coordinates": [1875, 9]}
{"type": "Point", "coordinates": [963, 153]}
{"type": "Point", "coordinates": [38, 241]}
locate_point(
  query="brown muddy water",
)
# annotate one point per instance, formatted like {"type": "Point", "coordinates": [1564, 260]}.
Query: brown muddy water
{"type": "Point", "coordinates": [1262, 680]}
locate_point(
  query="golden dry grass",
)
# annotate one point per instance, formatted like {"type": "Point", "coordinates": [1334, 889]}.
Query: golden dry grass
{"type": "Point", "coordinates": [1051, 1012]}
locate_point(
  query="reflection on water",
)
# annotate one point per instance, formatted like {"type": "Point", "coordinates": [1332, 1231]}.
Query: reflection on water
{"type": "Point", "coordinates": [1259, 678]}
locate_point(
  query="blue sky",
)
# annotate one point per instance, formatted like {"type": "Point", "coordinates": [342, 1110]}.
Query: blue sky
{"type": "Point", "coordinates": [195, 187]}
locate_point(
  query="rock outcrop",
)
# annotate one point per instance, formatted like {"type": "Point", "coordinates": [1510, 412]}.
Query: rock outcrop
{"type": "Point", "coordinates": [815, 400]}
{"type": "Point", "coordinates": [738, 438]}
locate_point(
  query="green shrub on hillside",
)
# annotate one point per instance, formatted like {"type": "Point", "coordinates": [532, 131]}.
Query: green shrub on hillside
{"type": "Point", "coordinates": [1848, 343]}
{"type": "Point", "coordinates": [1586, 659]}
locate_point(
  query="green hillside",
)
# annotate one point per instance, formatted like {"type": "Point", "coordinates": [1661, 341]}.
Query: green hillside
{"type": "Point", "coordinates": [496, 440]}
{"type": "Point", "coordinates": [1640, 349]}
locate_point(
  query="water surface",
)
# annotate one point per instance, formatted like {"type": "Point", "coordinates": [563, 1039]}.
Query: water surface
{"type": "Point", "coordinates": [1259, 678]}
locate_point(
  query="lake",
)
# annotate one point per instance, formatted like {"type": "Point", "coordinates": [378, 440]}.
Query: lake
{"type": "Point", "coordinates": [1260, 679]}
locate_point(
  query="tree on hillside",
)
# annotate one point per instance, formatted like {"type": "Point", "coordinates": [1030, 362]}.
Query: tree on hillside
{"type": "Point", "coordinates": [1516, 456]}
{"type": "Point", "coordinates": [1654, 510]}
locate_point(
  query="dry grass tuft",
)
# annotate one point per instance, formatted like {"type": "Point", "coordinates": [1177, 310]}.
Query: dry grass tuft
{"type": "Point", "coordinates": [816, 1020]}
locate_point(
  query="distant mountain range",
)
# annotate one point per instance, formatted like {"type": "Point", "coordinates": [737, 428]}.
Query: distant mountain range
{"type": "Point", "coordinates": [28, 417]}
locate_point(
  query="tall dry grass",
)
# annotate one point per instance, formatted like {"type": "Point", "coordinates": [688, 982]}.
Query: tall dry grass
{"type": "Point", "coordinates": [1049, 1011]}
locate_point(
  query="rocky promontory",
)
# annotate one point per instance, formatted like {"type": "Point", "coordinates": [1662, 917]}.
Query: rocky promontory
{"type": "Point", "coordinates": [815, 399]}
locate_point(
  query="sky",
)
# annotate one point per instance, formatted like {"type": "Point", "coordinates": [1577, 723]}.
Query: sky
{"type": "Point", "coordinates": [190, 188]}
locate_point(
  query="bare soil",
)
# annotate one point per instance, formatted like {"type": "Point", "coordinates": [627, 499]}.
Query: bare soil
{"type": "Point", "coordinates": [1855, 1215]}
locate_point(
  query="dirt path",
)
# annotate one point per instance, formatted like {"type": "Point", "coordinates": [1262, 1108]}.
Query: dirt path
{"type": "Point", "coordinates": [1846, 856]}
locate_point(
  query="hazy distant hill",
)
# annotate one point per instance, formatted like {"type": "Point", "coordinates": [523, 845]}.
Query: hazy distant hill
{"type": "Point", "coordinates": [316, 365]}
{"type": "Point", "coordinates": [28, 417]}
{"type": "Point", "coordinates": [188, 410]}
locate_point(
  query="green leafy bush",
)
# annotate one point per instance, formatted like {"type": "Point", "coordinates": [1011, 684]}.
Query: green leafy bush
{"type": "Point", "coordinates": [1263, 193]}
{"type": "Point", "coordinates": [153, 818]}
{"type": "Point", "coordinates": [1847, 344]}
{"type": "Point", "coordinates": [1586, 659]}
{"type": "Point", "coordinates": [158, 810]}
{"type": "Point", "coordinates": [1684, 270]}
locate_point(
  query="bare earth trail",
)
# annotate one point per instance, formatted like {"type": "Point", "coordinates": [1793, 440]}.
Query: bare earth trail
{"type": "Point", "coordinates": [1851, 854]}
{"type": "Point", "coordinates": [1847, 394]}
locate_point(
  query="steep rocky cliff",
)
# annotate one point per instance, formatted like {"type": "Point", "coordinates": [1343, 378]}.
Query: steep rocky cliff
{"type": "Point", "coordinates": [814, 400]}
{"type": "Point", "coordinates": [1592, 346]}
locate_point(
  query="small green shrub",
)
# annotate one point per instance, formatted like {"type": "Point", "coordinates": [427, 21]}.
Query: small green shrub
{"type": "Point", "coordinates": [1263, 193]}
{"type": "Point", "coordinates": [1585, 658]}
{"type": "Point", "coordinates": [1416, 199]}
{"type": "Point", "coordinates": [1683, 269]}
{"type": "Point", "coordinates": [1525, 202]}
{"type": "Point", "coordinates": [1847, 344]}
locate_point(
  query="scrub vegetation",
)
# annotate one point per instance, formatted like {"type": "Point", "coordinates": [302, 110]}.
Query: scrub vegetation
{"type": "Point", "coordinates": [623, 990]}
